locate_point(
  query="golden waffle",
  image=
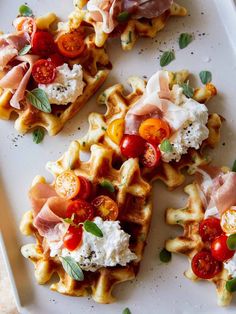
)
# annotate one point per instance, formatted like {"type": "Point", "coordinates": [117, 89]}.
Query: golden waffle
{"type": "Point", "coordinates": [133, 199]}
{"type": "Point", "coordinates": [190, 242]}
{"type": "Point", "coordinates": [118, 102]}
{"type": "Point", "coordinates": [95, 72]}
{"type": "Point", "coordinates": [133, 29]}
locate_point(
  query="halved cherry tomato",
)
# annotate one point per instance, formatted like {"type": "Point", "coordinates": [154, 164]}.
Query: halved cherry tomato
{"type": "Point", "coordinates": [115, 130]}
{"type": "Point", "coordinates": [220, 250]}
{"type": "Point", "coordinates": [85, 188]}
{"type": "Point", "coordinates": [105, 207]}
{"type": "Point", "coordinates": [228, 221]}
{"type": "Point", "coordinates": [151, 156]}
{"type": "Point", "coordinates": [209, 229]}
{"type": "Point", "coordinates": [57, 59]}
{"type": "Point", "coordinates": [73, 238]}
{"type": "Point", "coordinates": [81, 209]}
{"type": "Point", "coordinates": [154, 130]}
{"type": "Point", "coordinates": [26, 24]}
{"type": "Point", "coordinates": [132, 146]}
{"type": "Point", "coordinates": [44, 71]}
{"type": "Point", "coordinates": [43, 44]}
{"type": "Point", "coordinates": [71, 45]}
{"type": "Point", "coordinates": [205, 266]}
{"type": "Point", "coordinates": [67, 184]}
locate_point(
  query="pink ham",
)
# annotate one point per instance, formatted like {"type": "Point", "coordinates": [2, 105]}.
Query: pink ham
{"type": "Point", "coordinates": [7, 53]}
{"type": "Point", "coordinates": [18, 40]}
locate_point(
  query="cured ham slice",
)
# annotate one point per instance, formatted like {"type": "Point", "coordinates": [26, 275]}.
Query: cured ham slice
{"type": "Point", "coordinates": [7, 53]}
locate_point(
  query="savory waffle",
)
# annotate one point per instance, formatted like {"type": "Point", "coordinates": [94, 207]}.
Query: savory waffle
{"type": "Point", "coordinates": [132, 194]}
{"type": "Point", "coordinates": [190, 242]}
{"type": "Point", "coordinates": [118, 102]}
{"type": "Point", "coordinates": [133, 29]}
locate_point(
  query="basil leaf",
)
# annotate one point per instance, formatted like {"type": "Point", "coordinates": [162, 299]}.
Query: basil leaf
{"type": "Point", "coordinates": [126, 311]}
{"type": "Point", "coordinates": [184, 40]}
{"type": "Point", "coordinates": [166, 58]}
{"type": "Point", "coordinates": [165, 256]}
{"type": "Point", "coordinates": [38, 135]}
{"type": "Point", "coordinates": [123, 17]}
{"type": "Point", "coordinates": [24, 10]}
{"type": "Point", "coordinates": [39, 99]}
{"type": "Point", "coordinates": [187, 90]}
{"type": "Point", "coordinates": [205, 76]}
{"type": "Point", "coordinates": [234, 166]}
{"type": "Point", "coordinates": [166, 146]}
{"type": "Point", "coordinates": [92, 228]}
{"type": "Point", "coordinates": [231, 285]}
{"type": "Point", "coordinates": [72, 268]}
{"type": "Point", "coordinates": [231, 242]}
{"type": "Point", "coordinates": [106, 184]}
{"type": "Point", "coordinates": [24, 50]}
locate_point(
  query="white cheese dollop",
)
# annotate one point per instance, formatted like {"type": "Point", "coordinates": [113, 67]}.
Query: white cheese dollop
{"type": "Point", "coordinates": [110, 250]}
{"type": "Point", "coordinates": [67, 86]}
{"type": "Point", "coordinates": [230, 265]}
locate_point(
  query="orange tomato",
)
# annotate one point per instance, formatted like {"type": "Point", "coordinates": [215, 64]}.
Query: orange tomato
{"type": "Point", "coordinates": [105, 207]}
{"type": "Point", "coordinates": [228, 221]}
{"type": "Point", "coordinates": [115, 130]}
{"type": "Point", "coordinates": [154, 130]}
{"type": "Point", "coordinates": [71, 45]}
{"type": "Point", "coordinates": [67, 184]}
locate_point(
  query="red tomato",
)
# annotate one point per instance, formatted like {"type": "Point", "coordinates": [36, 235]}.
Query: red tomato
{"type": "Point", "coordinates": [209, 229]}
{"type": "Point", "coordinates": [81, 209]}
{"type": "Point", "coordinates": [57, 59]}
{"type": "Point", "coordinates": [151, 156]}
{"type": "Point", "coordinates": [205, 266]}
{"type": "Point", "coordinates": [73, 238]}
{"type": "Point", "coordinates": [105, 207]}
{"type": "Point", "coordinates": [43, 44]}
{"type": "Point", "coordinates": [132, 146]}
{"type": "Point", "coordinates": [71, 45]}
{"type": "Point", "coordinates": [44, 72]}
{"type": "Point", "coordinates": [220, 250]}
{"type": "Point", "coordinates": [26, 24]}
{"type": "Point", "coordinates": [85, 188]}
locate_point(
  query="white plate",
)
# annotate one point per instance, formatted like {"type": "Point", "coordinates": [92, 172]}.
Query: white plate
{"type": "Point", "coordinates": [158, 288]}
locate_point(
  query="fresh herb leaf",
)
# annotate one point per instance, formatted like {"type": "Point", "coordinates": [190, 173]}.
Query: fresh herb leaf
{"type": "Point", "coordinates": [70, 220]}
{"type": "Point", "coordinates": [106, 184]}
{"type": "Point", "coordinates": [24, 10]}
{"type": "Point", "coordinates": [39, 99]}
{"type": "Point", "coordinates": [92, 228]}
{"type": "Point", "coordinates": [231, 285]}
{"type": "Point", "coordinates": [165, 256]}
{"type": "Point", "coordinates": [126, 311]}
{"type": "Point", "coordinates": [187, 90]}
{"type": "Point", "coordinates": [166, 58]}
{"type": "Point", "coordinates": [231, 242]}
{"type": "Point", "coordinates": [72, 268]}
{"type": "Point", "coordinates": [38, 135]}
{"type": "Point", "coordinates": [25, 50]}
{"type": "Point", "coordinates": [205, 76]}
{"type": "Point", "coordinates": [104, 129]}
{"type": "Point", "coordinates": [234, 166]}
{"type": "Point", "coordinates": [166, 146]}
{"type": "Point", "coordinates": [123, 17]}
{"type": "Point", "coordinates": [184, 40]}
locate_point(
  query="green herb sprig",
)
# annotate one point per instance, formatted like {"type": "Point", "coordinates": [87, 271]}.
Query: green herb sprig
{"type": "Point", "coordinates": [166, 58]}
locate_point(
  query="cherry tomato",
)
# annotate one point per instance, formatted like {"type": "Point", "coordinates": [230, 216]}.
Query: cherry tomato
{"type": "Point", "coordinates": [209, 229]}
{"type": "Point", "coordinates": [81, 209]}
{"type": "Point", "coordinates": [105, 207]}
{"type": "Point", "coordinates": [73, 238]}
{"type": "Point", "coordinates": [57, 59]}
{"type": "Point", "coordinates": [115, 130]}
{"type": "Point", "coordinates": [228, 221]}
{"type": "Point", "coordinates": [44, 71]}
{"type": "Point", "coordinates": [25, 24]}
{"type": "Point", "coordinates": [132, 146]}
{"type": "Point", "coordinates": [154, 130]}
{"type": "Point", "coordinates": [71, 45]}
{"type": "Point", "coordinates": [67, 184]}
{"type": "Point", "coordinates": [43, 44]}
{"type": "Point", "coordinates": [85, 188]}
{"type": "Point", "coordinates": [220, 250]}
{"type": "Point", "coordinates": [151, 156]}
{"type": "Point", "coordinates": [205, 266]}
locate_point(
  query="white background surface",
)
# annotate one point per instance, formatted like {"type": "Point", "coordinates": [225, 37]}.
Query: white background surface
{"type": "Point", "coordinates": [158, 288]}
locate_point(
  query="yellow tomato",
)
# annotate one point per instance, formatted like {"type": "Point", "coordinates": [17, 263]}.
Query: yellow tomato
{"type": "Point", "coordinates": [228, 221]}
{"type": "Point", "coordinates": [154, 130]}
{"type": "Point", "coordinates": [67, 185]}
{"type": "Point", "coordinates": [115, 130]}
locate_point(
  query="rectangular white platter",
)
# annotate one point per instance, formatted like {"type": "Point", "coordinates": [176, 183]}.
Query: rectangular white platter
{"type": "Point", "coordinates": [159, 288]}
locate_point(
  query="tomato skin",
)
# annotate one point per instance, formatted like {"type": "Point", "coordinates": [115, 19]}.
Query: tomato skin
{"type": "Point", "coordinates": [132, 146]}
{"type": "Point", "coordinates": [82, 211]}
{"type": "Point", "coordinates": [67, 184]}
{"type": "Point", "coordinates": [220, 250]}
{"type": "Point", "coordinates": [105, 207]}
{"type": "Point", "coordinates": [44, 72]}
{"type": "Point", "coordinates": [71, 45]}
{"type": "Point", "coordinates": [115, 130]}
{"type": "Point", "coordinates": [57, 59]}
{"type": "Point", "coordinates": [151, 156]}
{"type": "Point", "coordinates": [85, 188]}
{"type": "Point", "coordinates": [154, 130]}
{"type": "Point", "coordinates": [205, 266]}
{"type": "Point", "coordinates": [43, 44]}
{"type": "Point", "coordinates": [209, 229]}
{"type": "Point", "coordinates": [73, 238]}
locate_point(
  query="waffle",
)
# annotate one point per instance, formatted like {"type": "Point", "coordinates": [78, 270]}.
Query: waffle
{"type": "Point", "coordinates": [191, 243]}
{"type": "Point", "coordinates": [132, 30]}
{"type": "Point", "coordinates": [118, 102]}
{"type": "Point", "coordinates": [133, 199]}
{"type": "Point", "coordinates": [28, 117]}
